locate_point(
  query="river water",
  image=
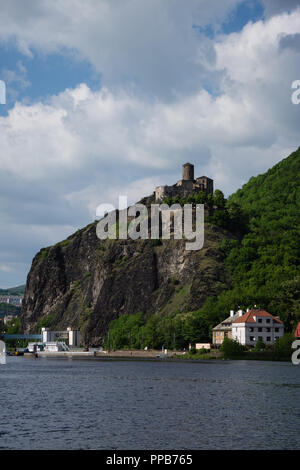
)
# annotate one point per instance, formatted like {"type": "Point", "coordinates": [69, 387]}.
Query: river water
{"type": "Point", "coordinates": [91, 404]}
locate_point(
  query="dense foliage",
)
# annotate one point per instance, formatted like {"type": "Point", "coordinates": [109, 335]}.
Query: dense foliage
{"type": "Point", "coordinates": [171, 332]}
{"type": "Point", "coordinates": [9, 309]}
{"type": "Point", "coordinates": [225, 214]}
{"type": "Point", "coordinates": [231, 348]}
{"type": "Point", "coordinates": [265, 264]}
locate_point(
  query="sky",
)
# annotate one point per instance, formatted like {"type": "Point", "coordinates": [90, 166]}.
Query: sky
{"type": "Point", "coordinates": [111, 97]}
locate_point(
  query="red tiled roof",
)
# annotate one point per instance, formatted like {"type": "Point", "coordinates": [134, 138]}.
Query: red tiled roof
{"type": "Point", "coordinates": [248, 317]}
{"type": "Point", "coordinates": [297, 332]}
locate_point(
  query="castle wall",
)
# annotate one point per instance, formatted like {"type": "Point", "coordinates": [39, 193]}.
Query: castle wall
{"type": "Point", "coordinates": [163, 191]}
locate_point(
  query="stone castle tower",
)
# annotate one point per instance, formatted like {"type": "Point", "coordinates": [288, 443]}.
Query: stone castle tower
{"type": "Point", "coordinates": [186, 186]}
{"type": "Point", "coordinates": [188, 172]}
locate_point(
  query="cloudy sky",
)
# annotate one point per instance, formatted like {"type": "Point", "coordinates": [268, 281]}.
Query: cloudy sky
{"type": "Point", "coordinates": [110, 97]}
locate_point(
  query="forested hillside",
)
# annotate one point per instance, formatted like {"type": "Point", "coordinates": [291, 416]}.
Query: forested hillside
{"type": "Point", "coordinates": [265, 266]}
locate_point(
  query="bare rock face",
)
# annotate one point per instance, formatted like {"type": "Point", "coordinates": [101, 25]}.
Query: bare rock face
{"type": "Point", "coordinates": [85, 282]}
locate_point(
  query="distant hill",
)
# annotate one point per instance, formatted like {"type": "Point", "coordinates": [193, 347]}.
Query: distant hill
{"type": "Point", "coordinates": [19, 290]}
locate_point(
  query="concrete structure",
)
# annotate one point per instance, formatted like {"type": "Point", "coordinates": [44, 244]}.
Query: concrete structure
{"type": "Point", "coordinates": [223, 330]}
{"type": "Point", "coordinates": [71, 336]}
{"type": "Point", "coordinates": [50, 346]}
{"type": "Point", "coordinates": [257, 324]}
{"type": "Point", "coordinates": [74, 337]}
{"type": "Point", "coordinates": [56, 346]}
{"type": "Point", "coordinates": [35, 347]}
{"type": "Point", "coordinates": [47, 335]}
{"type": "Point", "coordinates": [186, 185]}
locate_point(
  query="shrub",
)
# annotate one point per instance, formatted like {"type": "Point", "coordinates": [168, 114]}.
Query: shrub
{"type": "Point", "coordinates": [283, 346]}
{"type": "Point", "coordinates": [259, 345]}
{"type": "Point", "coordinates": [231, 348]}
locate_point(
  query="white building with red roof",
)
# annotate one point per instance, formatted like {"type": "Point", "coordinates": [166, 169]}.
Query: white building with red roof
{"type": "Point", "coordinates": [257, 324]}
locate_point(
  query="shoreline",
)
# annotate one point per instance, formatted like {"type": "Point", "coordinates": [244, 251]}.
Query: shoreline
{"type": "Point", "coordinates": [152, 355]}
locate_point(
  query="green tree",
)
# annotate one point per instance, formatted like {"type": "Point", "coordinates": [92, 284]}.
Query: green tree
{"type": "Point", "coordinates": [283, 346]}
{"type": "Point", "coordinates": [259, 345]}
{"type": "Point", "coordinates": [219, 199]}
{"type": "Point", "coordinates": [231, 348]}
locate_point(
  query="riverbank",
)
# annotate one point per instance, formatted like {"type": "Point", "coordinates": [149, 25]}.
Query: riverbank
{"type": "Point", "coordinates": [159, 355]}
{"type": "Point", "coordinates": [118, 354]}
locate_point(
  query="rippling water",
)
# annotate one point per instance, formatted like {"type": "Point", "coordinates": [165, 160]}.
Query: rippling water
{"type": "Point", "coordinates": [90, 404]}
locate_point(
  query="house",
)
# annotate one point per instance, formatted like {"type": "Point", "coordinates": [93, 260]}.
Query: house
{"type": "Point", "coordinates": [254, 325]}
{"type": "Point", "coordinates": [223, 330]}
{"type": "Point", "coordinates": [297, 332]}
{"type": "Point", "coordinates": [199, 346]}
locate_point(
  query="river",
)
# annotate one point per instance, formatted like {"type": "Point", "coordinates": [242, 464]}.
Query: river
{"type": "Point", "coordinates": [94, 404]}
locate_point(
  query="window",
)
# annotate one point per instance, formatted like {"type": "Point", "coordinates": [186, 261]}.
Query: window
{"type": "Point", "coordinates": [277, 330]}
{"type": "Point", "coordinates": [260, 320]}
{"type": "Point", "coordinates": [268, 330]}
{"type": "Point", "coordinates": [252, 338]}
{"type": "Point", "coordinates": [260, 330]}
{"type": "Point", "coordinates": [251, 330]}
{"type": "Point", "coordinates": [260, 338]}
{"type": "Point", "coordinates": [268, 338]}
{"type": "Point", "coordinates": [268, 320]}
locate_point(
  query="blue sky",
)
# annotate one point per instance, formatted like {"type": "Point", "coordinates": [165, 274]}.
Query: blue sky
{"type": "Point", "coordinates": [108, 98]}
{"type": "Point", "coordinates": [51, 73]}
{"type": "Point", "coordinates": [45, 75]}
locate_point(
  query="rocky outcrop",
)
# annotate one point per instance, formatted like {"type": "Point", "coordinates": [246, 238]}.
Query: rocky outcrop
{"type": "Point", "coordinates": [85, 282]}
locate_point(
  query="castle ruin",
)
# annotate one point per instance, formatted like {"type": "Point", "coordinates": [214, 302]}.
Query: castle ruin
{"type": "Point", "coordinates": [186, 186]}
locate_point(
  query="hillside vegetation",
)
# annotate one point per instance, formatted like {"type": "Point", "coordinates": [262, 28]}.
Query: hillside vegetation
{"type": "Point", "coordinates": [18, 290]}
{"type": "Point", "coordinates": [265, 265]}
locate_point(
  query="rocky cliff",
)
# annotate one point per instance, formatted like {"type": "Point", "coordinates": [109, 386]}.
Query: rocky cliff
{"type": "Point", "coordinates": [85, 282]}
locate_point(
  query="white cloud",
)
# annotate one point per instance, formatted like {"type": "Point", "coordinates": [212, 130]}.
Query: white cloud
{"type": "Point", "coordinates": [150, 46]}
{"type": "Point", "coordinates": [5, 268]}
{"type": "Point", "coordinates": [63, 157]}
